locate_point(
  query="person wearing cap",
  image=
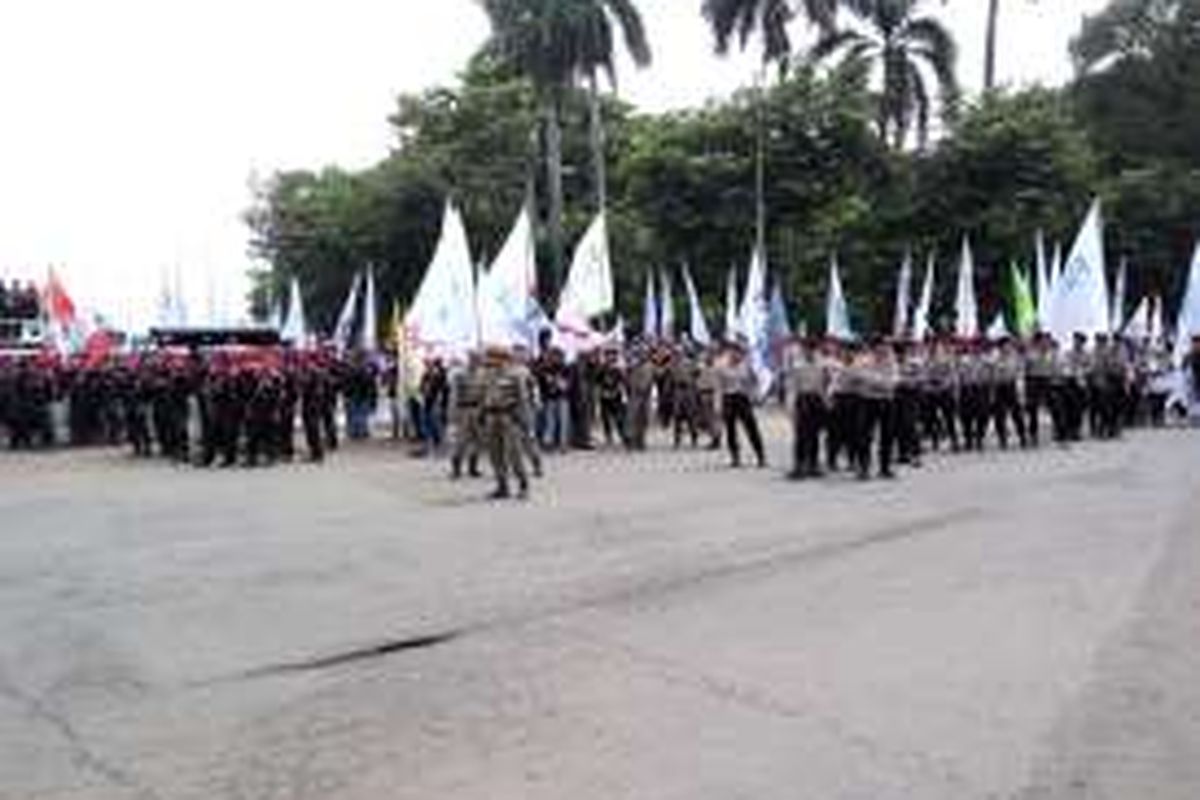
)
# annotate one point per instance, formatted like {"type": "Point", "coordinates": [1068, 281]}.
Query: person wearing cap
{"type": "Point", "coordinates": [941, 390]}
{"type": "Point", "coordinates": [739, 386]}
{"type": "Point", "coordinates": [685, 395]}
{"type": "Point", "coordinates": [527, 429]}
{"type": "Point", "coordinates": [839, 414]}
{"type": "Point", "coordinates": [910, 401]}
{"type": "Point", "coordinates": [1075, 368]}
{"type": "Point", "coordinates": [505, 409]}
{"type": "Point", "coordinates": [877, 375]}
{"type": "Point", "coordinates": [974, 401]}
{"type": "Point", "coordinates": [1006, 368]}
{"type": "Point", "coordinates": [466, 404]}
{"type": "Point", "coordinates": [807, 386]}
{"type": "Point", "coordinates": [708, 397]}
{"type": "Point", "coordinates": [610, 386]}
{"type": "Point", "coordinates": [641, 386]}
{"type": "Point", "coordinates": [1041, 367]}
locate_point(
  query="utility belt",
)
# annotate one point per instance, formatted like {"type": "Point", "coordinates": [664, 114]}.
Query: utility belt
{"type": "Point", "coordinates": [500, 410]}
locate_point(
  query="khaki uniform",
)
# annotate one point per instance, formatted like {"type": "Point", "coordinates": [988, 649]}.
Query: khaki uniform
{"type": "Point", "coordinates": [466, 394]}
{"type": "Point", "coordinates": [505, 408]}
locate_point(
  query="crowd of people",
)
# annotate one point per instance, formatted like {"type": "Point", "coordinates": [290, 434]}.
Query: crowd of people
{"type": "Point", "coordinates": [864, 407]}
{"type": "Point", "coordinates": [19, 302]}
{"type": "Point", "coordinates": [222, 408]}
{"type": "Point", "coordinates": [861, 407]}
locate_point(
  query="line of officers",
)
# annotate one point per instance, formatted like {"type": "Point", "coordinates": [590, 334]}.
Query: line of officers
{"type": "Point", "coordinates": [890, 401]}
{"type": "Point", "coordinates": [515, 407]}
{"type": "Point", "coordinates": [863, 407]}
{"type": "Point", "coordinates": [202, 409]}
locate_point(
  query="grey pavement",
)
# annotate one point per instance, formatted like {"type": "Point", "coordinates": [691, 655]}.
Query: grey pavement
{"type": "Point", "coordinates": [1013, 625]}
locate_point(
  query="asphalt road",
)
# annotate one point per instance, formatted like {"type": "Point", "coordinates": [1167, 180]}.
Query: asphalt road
{"type": "Point", "coordinates": [1016, 625]}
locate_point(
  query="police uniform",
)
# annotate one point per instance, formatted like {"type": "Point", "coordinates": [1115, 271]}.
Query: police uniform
{"type": "Point", "coordinates": [1006, 369]}
{"type": "Point", "coordinates": [738, 387]}
{"type": "Point", "coordinates": [466, 389]}
{"type": "Point", "coordinates": [505, 407]}
{"type": "Point", "coordinates": [807, 383]}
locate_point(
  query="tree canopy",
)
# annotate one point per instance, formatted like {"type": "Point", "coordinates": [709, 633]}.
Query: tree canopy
{"type": "Point", "coordinates": [682, 184]}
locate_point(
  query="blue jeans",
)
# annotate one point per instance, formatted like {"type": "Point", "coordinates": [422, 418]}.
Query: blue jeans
{"type": "Point", "coordinates": [555, 424]}
{"type": "Point", "coordinates": [358, 419]}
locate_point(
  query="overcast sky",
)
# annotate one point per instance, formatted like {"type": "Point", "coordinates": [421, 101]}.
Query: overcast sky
{"type": "Point", "coordinates": [131, 128]}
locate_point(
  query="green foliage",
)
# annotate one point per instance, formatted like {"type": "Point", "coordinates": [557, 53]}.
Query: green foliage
{"type": "Point", "coordinates": [912, 55]}
{"type": "Point", "coordinates": [682, 184]}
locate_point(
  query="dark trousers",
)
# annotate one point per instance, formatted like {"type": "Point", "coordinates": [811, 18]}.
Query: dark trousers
{"type": "Point", "coordinates": [839, 426]}
{"type": "Point", "coordinates": [312, 435]}
{"type": "Point", "coordinates": [1005, 407]}
{"type": "Point", "coordinates": [974, 408]}
{"type": "Point", "coordinates": [943, 416]}
{"type": "Point", "coordinates": [908, 424]}
{"type": "Point", "coordinates": [876, 423]}
{"type": "Point", "coordinates": [739, 410]}
{"type": "Point", "coordinates": [1037, 398]}
{"type": "Point", "coordinates": [1074, 405]}
{"type": "Point", "coordinates": [808, 416]}
{"type": "Point", "coordinates": [612, 418]}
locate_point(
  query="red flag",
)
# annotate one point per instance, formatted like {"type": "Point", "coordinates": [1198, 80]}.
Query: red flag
{"type": "Point", "coordinates": [59, 306]}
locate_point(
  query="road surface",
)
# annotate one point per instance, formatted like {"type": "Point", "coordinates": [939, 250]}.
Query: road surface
{"type": "Point", "coordinates": [1013, 625]}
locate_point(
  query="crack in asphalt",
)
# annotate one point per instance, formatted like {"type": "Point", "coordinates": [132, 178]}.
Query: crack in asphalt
{"type": "Point", "coordinates": [81, 753]}
{"type": "Point", "coordinates": [366, 653]}
{"type": "Point", "coordinates": [773, 560]}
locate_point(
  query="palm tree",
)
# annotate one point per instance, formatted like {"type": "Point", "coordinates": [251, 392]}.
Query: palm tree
{"type": "Point", "coordinates": [741, 19]}
{"type": "Point", "coordinates": [555, 43]}
{"type": "Point", "coordinates": [904, 50]}
{"type": "Point", "coordinates": [989, 50]}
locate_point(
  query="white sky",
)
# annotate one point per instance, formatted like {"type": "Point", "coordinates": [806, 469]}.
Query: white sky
{"type": "Point", "coordinates": [130, 129]}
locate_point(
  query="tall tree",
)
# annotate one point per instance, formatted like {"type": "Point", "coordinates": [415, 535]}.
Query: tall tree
{"type": "Point", "coordinates": [554, 43]}
{"type": "Point", "coordinates": [989, 49]}
{"type": "Point", "coordinates": [904, 51]}
{"type": "Point", "coordinates": [741, 19]}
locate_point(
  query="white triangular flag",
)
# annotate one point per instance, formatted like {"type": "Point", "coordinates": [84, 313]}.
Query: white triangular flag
{"type": "Point", "coordinates": [1116, 316]}
{"type": "Point", "coordinates": [1056, 267]}
{"type": "Point", "coordinates": [731, 306]}
{"type": "Point", "coordinates": [966, 311]}
{"type": "Point", "coordinates": [697, 326]}
{"type": "Point", "coordinates": [651, 320]}
{"type": "Point", "coordinates": [442, 319]}
{"type": "Point", "coordinates": [921, 326]}
{"type": "Point", "coordinates": [998, 329]}
{"type": "Point", "coordinates": [295, 328]}
{"type": "Point", "coordinates": [1138, 325]}
{"type": "Point", "coordinates": [345, 321]}
{"type": "Point", "coordinates": [1188, 322]}
{"type": "Point", "coordinates": [1158, 325]}
{"type": "Point", "coordinates": [901, 324]}
{"type": "Point", "coordinates": [589, 289]}
{"type": "Point", "coordinates": [1081, 298]}
{"type": "Point", "coordinates": [1043, 284]}
{"type": "Point", "coordinates": [369, 335]}
{"type": "Point", "coordinates": [754, 312]}
{"type": "Point", "coordinates": [779, 328]}
{"type": "Point", "coordinates": [837, 316]}
{"type": "Point", "coordinates": [666, 311]}
{"type": "Point", "coordinates": [509, 314]}
{"type": "Point", "coordinates": [754, 320]}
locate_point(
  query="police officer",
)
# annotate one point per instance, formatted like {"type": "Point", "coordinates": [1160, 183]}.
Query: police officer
{"type": "Point", "coordinates": [505, 408]}
{"type": "Point", "coordinates": [807, 385]}
{"type": "Point", "coordinates": [466, 400]}
{"type": "Point", "coordinates": [641, 385]}
{"type": "Point", "coordinates": [1005, 371]}
{"type": "Point", "coordinates": [739, 386]}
